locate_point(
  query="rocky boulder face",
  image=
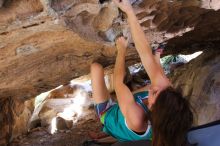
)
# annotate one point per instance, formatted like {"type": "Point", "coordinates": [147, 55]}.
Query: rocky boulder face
{"type": "Point", "coordinates": [67, 104]}
{"type": "Point", "coordinates": [14, 117]}
{"type": "Point", "coordinates": [200, 84]}
{"type": "Point", "coordinates": [47, 43]}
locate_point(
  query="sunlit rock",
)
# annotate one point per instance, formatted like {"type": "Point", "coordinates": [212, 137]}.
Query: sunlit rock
{"type": "Point", "coordinates": [69, 103]}
{"type": "Point", "coordinates": [110, 12]}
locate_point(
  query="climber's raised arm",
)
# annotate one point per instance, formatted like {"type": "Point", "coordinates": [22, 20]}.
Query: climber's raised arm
{"type": "Point", "coordinates": [132, 112]}
{"type": "Point", "coordinates": [157, 77]}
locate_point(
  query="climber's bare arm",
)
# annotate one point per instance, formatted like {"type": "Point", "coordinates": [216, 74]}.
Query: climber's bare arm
{"type": "Point", "coordinates": [152, 68]}
{"type": "Point", "coordinates": [132, 112]}
{"type": "Point", "coordinates": [157, 77]}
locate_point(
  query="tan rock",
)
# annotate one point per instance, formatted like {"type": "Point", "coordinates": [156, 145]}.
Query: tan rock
{"type": "Point", "coordinates": [59, 124]}
{"type": "Point", "coordinates": [19, 9]}
{"type": "Point", "coordinates": [202, 86]}
{"type": "Point", "coordinates": [70, 103]}
{"type": "Point", "coordinates": [104, 20]}
{"type": "Point", "coordinates": [45, 44]}
{"type": "Point", "coordinates": [213, 4]}
{"type": "Point", "coordinates": [14, 118]}
{"type": "Point", "coordinates": [188, 3]}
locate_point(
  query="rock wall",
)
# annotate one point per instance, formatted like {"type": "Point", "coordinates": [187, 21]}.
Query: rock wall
{"type": "Point", "coordinates": [46, 43]}
{"type": "Point", "coordinates": [200, 83]}
{"type": "Point", "coordinates": [14, 117]}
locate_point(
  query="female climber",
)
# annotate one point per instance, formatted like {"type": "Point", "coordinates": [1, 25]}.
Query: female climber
{"type": "Point", "coordinates": [158, 113]}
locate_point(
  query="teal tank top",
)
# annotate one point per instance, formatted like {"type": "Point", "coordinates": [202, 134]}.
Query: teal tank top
{"type": "Point", "coordinates": [115, 123]}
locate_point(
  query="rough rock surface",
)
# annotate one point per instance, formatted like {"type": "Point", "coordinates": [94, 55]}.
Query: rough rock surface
{"type": "Point", "coordinates": [46, 43]}
{"type": "Point", "coordinates": [74, 137]}
{"type": "Point", "coordinates": [68, 103]}
{"type": "Point", "coordinates": [14, 117]}
{"type": "Point", "coordinates": [200, 83]}
{"type": "Point", "coordinates": [202, 90]}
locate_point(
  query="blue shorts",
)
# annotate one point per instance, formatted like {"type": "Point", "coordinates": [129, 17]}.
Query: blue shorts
{"type": "Point", "coordinates": [101, 109]}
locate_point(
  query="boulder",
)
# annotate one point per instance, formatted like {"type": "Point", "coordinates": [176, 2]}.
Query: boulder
{"type": "Point", "coordinates": [14, 116]}
{"type": "Point", "coordinates": [200, 84]}
{"type": "Point", "coordinates": [46, 43]}
{"type": "Point", "coordinates": [61, 108]}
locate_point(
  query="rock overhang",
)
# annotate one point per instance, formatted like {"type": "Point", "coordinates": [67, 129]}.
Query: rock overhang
{"type": "Point", "coordinates": [47, 43]}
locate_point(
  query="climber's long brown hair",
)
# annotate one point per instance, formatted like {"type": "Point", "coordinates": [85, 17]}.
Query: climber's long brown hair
{"type": "Point", "coordinates": [171, 119]}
